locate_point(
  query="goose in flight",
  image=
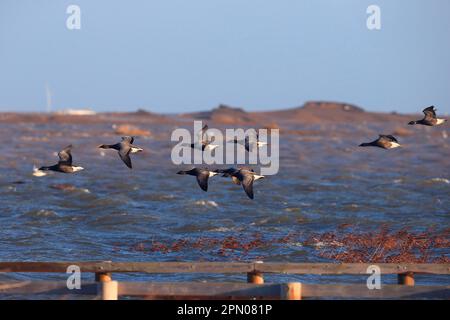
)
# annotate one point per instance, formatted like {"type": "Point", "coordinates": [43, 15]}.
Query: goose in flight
{"type": "Point", "coordinates": [430, 118]}
{"type": "Point", "coordinates": [384, 141]}
{"type": "Point", "coordinates": [249, 143]}
{"type": "Point", "coordinates": [124, 147]}
{"type": "Point", "coordinates": [64, 164]}
{"type": "Point", "coordinates": [204, 143]}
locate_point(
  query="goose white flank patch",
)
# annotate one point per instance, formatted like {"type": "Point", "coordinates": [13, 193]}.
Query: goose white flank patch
{"type": "Point", "coordinates": [65, 162]}
{"type": "Point", "coordinates": [124, 147]}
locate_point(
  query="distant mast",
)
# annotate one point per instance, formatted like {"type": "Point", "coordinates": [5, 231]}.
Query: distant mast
{"type": "Point", "coordinates": [49, 98]}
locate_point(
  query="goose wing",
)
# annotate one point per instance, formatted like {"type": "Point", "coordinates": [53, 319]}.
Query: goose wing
{"type": "Point", "coordinates": [128, 139]}
{"type": "Point", "coordinates": [202, 179]}
{"type": "Point", "coordinates": [247, 184]}
{"type": "Point", "coordinates": [251, 142]}
{"type": "Point", "coordinates": [387, 137]}
{"type": "Point", "coordinates": [227, 172]}
{"type": "Point", "coordinates": [124, 154]}
{"type": "Point", "coordinates": [248, 144]}
{"type": "Point", "coordinates": [65, 156]}
{"type": "Point", "coordinates": [430, 112]}
{"type": "Point", "coordinates": [391, 138]}
{"type": "Point", "coordinates": [202, 136]}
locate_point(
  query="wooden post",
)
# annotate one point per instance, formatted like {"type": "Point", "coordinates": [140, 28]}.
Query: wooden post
{"type": "Point", "coordinates": [291, 291]}
{"type": "Point", "coordinates": [109, 290]}
{"type": "Point", "coordinates": [406, 279]}
{"type": "Point", "coordinates": [255, 277]}
{"type": "Point", "coordinates": [103, 276]}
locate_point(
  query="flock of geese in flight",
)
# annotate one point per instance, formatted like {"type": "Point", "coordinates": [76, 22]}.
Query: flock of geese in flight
{"type": "Point", "coordinates": [239, 176]}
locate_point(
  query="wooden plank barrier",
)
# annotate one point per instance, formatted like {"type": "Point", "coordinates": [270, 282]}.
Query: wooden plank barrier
{"type": "Point", "coordinates": [107, 289]}
{"type": "Point", "coordinates": [291, 291]}
{"type": "Point", "coordinates": [225, 268]}
{"type": "Point", "coordinates": [111, 290]}
{"type": "Point", "coordinates": [200, 290]}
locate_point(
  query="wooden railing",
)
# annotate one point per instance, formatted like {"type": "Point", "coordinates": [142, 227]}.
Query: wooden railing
{"type": "Point", "coordinates": [106, 288]}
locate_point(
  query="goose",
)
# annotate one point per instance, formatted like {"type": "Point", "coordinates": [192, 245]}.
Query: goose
{"type": "Point", "coordinates": [65, 162]}
{"type": "Point", "coordinates": [203, 141]}
{"type": "Point", "coordinates": [246, 177]}
{"type": "Point", "coordinates": [124, 147]}
{"type": "Point", "coordinates": [202, 176]}
{"type": "Point", "coordinates": [248, 144]}
{"type": "Point", "coordinates": [384, 141]}
{"type": "Point", "coordinates": [430, 118]}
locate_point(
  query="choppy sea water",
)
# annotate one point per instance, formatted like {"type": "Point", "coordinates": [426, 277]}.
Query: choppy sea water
{"type": "Point", "coordinates": [108, 212]}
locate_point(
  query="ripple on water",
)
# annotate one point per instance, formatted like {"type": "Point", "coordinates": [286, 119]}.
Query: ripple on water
{"type": "Point", "coordinates": [41, 213]}
{"type": "Point", "coordinates": [437, 180]}
{"type": "Point", "coordinates": [158, 197]}
{"type": "Point", "coordinates": [206, 203]}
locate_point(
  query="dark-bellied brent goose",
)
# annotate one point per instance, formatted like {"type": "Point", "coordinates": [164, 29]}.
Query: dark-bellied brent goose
{"type": "Point", "coordinates": [249, 143]}
{"type": "Point", "coordinates": [124, 147]}
{"type": "Point", "coordinates": [204, 141]}
{"type": "Point", "coordinates": [384, 141]}
{"type": "Point", "coordinates": [430, 118]}
{"type": "Point", "coordinates": [64, 164]}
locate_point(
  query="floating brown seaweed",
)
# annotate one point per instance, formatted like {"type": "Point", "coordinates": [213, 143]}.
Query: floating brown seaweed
{"type": "Point", "coordinates": [343, 245]}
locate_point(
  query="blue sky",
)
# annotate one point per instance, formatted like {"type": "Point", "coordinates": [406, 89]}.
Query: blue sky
{"type": "Point", "coordinates": [179, 56]}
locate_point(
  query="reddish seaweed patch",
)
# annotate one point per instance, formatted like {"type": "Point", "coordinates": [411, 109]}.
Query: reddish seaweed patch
{"type": "Point", "coordinates": [234, 247]}
{"type": "Point", "coordinates": [383, 246]}
{"type": "Point", "coordinates": [342, 245]}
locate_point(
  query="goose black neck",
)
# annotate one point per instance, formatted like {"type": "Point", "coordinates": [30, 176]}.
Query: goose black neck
{"type": "Point", "coordinates": [367, 144]}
